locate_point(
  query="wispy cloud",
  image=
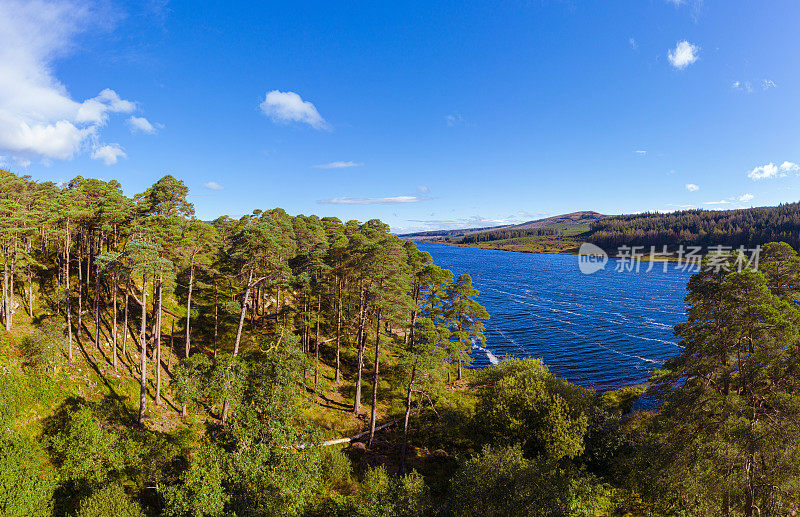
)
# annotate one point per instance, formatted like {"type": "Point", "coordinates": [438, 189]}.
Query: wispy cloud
{"type": "Point", "coordinates": [720, 202]}
{"type": "Point", "coordinates": [213, 185]}
{"type": "Point", "coordinates": [683, 55]}
{"type": "Point", "coordinates": [747, 86]}
{"type": "Point", "coordinates": [455, 119]}
{"type": "Point", "coordinates": [38, 117]}
{"type": "Point", "coordinates": [744, 86]}
{"type": "Point", "coordinates": [288, 107]}
{"type": "Point", "coordinates": [109, 154]}
{"type": "Point", "coordinates": [142, 125]}
{"type": "Point", "coordinates": [744, 198]}
{"type": "Point", "coordinates": [789, 167]}
{"type": "Point", "coordinates": [641, 152]}
{"type": "Point", "coordinates": [632, 42]}
{"type": "Point", "coordinates": [691, 187]}
{"type": "Point", "coordinates": [338, 165]}
{"type": "Point", "coordinates": [372, 200]}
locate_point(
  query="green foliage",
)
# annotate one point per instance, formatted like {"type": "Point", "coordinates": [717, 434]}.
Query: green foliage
{"type": "Point", "coordinates": [42, 349]}
{"type": "Point", "coordinates": [383, 495]}
{"type": "Point", "coordinates": [86, 454]}
{"type": "Point", "coordinates": [522, 402]}
{"type": "Point", "coordinates": [335, 467]}
{"type": "Point", "coordinates": [728, 429]}
{"type": "Point", "coordinates": [621, 400]}
{"type": "Point", "coordinates": [191, 379]}
{"type": "Point", "coordinates": [27, 482]}
{"type": "Point", "coordinates": [200, 489]}
{"type": "Point", "coordinates": [9, 396]}
{"type": "Point", "coordinates": [267, 474]}
{"type": "Point", "coordinates": [109, 500]}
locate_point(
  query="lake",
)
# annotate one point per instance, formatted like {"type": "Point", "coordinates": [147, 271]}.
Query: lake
{"type": "Point", "coordinates": [600, 331]}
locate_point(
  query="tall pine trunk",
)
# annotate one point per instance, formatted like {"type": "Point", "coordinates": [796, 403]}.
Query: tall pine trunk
{"type": "Point", "coordinates": [316, 344]}
{"type": "Point", "coordinates": [114, 319]}
{"type": "Point", "coordinates": [7, 297]}
{"type": "Point", "coordinates": [143, 356]}
{"type": "Point", "coordinates": [68, 296]}
{"type": "Point", "coordinates": [80, 287]}
{"type": "Point", "coordinates": [226, 403]}
{"type": "Point", "coordinates": [157, 354]}
{"type": "Point", "coordinates": [125, 318]}
{"type": "Point", "coordinates": [361, 338]}
{"type": "Point", "coordinates": [375, 378]}
{"type": "Point", "coordinates": [243, 314]}
{"type": "Point", "coordinates": [30, 291]}
{"type": "Point", "coordinates": [338, 328]}
{"type": "Point", "coordinates": [406, 417]}
{"type": "Point", "coordinates": [189, 308]}
{"type": "Point", "coordinates": [96, 308]}
{"type": "Point", "coordinates": [216, 317]}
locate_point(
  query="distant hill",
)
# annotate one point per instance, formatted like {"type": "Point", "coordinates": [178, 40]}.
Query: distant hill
{"type": "Point", "coordinates": [571, 219]}
{"type": "Point", "coordinates": [570, 224]}
{"type": "Point", "coordinates": [438, 234]}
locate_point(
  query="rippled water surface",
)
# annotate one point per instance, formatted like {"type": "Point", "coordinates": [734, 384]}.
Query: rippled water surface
{"type": "Point", "coordinates": [600, 331]}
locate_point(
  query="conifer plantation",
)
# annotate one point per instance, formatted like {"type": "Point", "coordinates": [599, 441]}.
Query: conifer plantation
{"type": "Point", "coordinates": [152, 363]}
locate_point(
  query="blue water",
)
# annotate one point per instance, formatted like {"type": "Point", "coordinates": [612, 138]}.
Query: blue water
{"type": "Point", "coordinates": [600, 331]}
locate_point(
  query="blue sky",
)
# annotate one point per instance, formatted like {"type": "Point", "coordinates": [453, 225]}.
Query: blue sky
{"type": "Point", "coordinates": [426, 115]}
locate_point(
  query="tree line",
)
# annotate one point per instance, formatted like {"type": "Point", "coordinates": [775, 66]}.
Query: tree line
{"type": "Point", "coordinates": [495, 235]}
{"type": "Point", "coordinates": [156, 364]}
{"type": "Point", "coordinates": [744, 227]}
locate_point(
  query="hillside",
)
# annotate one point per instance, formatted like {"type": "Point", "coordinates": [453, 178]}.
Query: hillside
{"type": "Point", "coordinates": [571, 220]}
{"type": "Point", "coordinates": [564, 224]}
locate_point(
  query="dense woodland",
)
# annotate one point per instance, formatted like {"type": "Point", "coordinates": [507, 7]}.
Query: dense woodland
{"type": "Point", "coordinates": [746, 227]}
{"type": "Point", "coordinates": [494, 235]}
{"type": "Point", "coordinates": [156, 364]}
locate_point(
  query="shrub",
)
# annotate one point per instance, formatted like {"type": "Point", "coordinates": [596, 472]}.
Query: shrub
{"type": "Point", "coordinates": [110, 500]}
{"type": "Point", "coordinates": [27, 483]}
{"type": "Point", "coordinates": [200, 492]}
{"type": "Point", "coordinates": [524, 403]}
{"type": "Point", "coordinates": [42, 350]}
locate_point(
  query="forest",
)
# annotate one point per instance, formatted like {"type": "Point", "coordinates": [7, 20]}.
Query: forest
{"type": "Point", "coordinates": [744, 227]}
{"type": "Point", "coordinates": [494, 235]}
{"type": "Point", "coordinates": [152, 363]}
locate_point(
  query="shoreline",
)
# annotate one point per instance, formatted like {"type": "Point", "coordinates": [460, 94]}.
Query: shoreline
{"type": "Point", "coordinates": [569, 251]}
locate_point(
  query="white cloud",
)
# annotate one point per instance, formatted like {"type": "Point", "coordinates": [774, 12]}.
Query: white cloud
{"type": "Point", "coordinates": [372, 200]}
{"type": "Point", "coordinates": [141, 124]}
{"type": "Point", "coordinates": [338, 165]}
{"type": "Point", "coordinates": [38, 117]}
{"type": "Point", "coordinates": [641, 151]}
{"type": "Point", "coordinates": [683, 55]}
{"type": "Point", "coordinates": [742, 86]}
{"type": "Point", "coordinates": [789, 167]}
{"type": "Point", "coordinates": [691, 187]}
{"type": "Point", "coordinates": [767, 84]}
{"type": "Point", "coordinates": [108, 153]}
{"type": "Point", "coordinates": [746, 197]}
{"type": "Point", "coordinates": [423, 188]}
{"type": "Point", "coordinates": [763, 171]}
{"type": "Point", "coordinates": [720, 202]}
{"type": "Point", "coordinates": [290, 107]}
{"type": "Point", "coordinates": [213, 185]}
{"type": "Point", "coordinates": [633, 43]}
{"type": "Point", "coordinates": [454, 119]}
